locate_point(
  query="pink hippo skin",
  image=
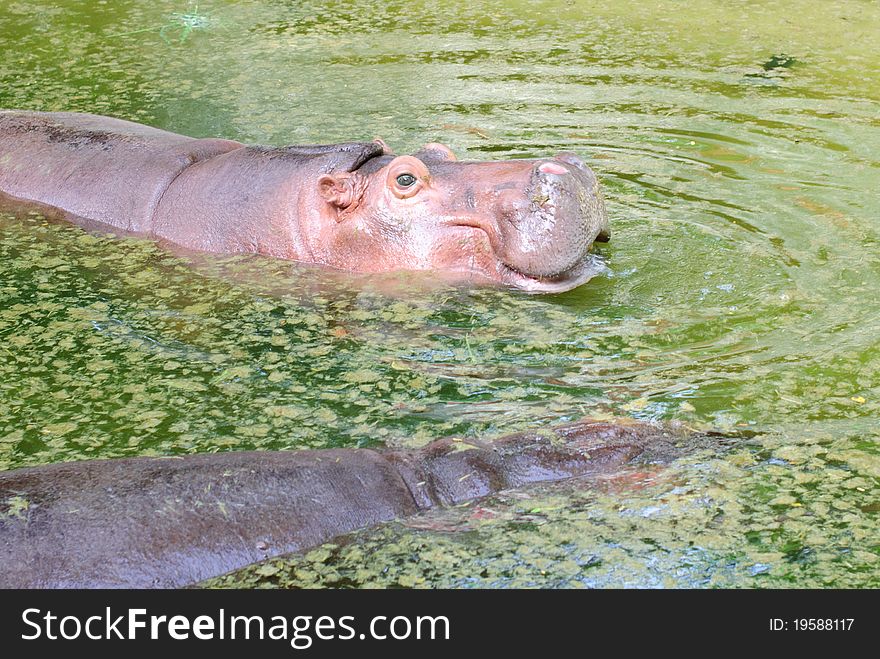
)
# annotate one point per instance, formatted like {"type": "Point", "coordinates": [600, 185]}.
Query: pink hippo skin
{"type": "Point", "coordinates": [356, 206]}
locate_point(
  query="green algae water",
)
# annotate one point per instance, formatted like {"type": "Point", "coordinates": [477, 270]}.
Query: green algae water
{"type": "Point", "coordinates": [737, 143]}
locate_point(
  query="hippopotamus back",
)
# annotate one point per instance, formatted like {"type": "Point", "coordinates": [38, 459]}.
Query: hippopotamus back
{"type": "Point", "coordinates": [95, 168]}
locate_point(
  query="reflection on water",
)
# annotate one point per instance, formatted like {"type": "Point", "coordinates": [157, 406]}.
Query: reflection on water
{"type": "Point", "coordinates": [738, 150]}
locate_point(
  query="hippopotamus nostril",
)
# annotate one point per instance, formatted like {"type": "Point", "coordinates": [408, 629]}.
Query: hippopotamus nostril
{"type": "Point", "coordinates": [552, 168]}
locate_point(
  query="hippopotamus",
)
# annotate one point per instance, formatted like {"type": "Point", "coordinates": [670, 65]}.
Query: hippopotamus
{"type": "Point", "coordinates": [169, 522]}
{"type": "Point", "coordinates": [525, 223]}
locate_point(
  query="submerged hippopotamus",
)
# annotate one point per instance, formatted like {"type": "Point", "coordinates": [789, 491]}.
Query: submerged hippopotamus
{"type": "Point", "coordinates": [356, 206]}
{"type": "Point", "coordinates": [168, 522]}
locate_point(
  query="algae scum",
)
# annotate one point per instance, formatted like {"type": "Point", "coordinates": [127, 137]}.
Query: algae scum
{"type": "Point", "coordinates": [737, 144]}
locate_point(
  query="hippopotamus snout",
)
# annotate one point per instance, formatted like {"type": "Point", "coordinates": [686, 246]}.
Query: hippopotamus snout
{"type": "Point", "coordinates": [547, 232]}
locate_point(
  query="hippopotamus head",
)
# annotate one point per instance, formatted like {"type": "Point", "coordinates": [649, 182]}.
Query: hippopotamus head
{"type": "Point", "coordinates": [524, 223]}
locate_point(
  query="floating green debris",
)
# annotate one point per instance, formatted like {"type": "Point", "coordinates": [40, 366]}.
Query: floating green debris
{"type": "Point", "coordinates": [780, 61]}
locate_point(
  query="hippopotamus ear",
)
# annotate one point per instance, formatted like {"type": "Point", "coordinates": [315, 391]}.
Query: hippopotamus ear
{"type": "Point", "coordinates": [434, 151]}
{"type": "Point", "coordinates": [337, 189]}
{"type": "Point", "coordinates": [338, 186]}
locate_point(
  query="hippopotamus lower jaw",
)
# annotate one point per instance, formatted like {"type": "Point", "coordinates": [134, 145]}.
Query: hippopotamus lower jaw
{"type": "Point", "coordinates": [580, 273]}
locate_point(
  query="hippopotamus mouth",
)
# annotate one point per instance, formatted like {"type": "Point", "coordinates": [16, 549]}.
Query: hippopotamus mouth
{"type": "Point", "coordinates": [580, 273]}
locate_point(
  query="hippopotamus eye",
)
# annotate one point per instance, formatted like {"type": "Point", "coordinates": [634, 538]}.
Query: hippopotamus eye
{"type": "Point", "coordinates": [406, 180]}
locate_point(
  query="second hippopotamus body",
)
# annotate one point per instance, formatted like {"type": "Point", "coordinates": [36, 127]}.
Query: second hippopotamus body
{"type": "Point", "coordinates": [356, 206]}
{"type": "Point", "coordinates": [170, 522]}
